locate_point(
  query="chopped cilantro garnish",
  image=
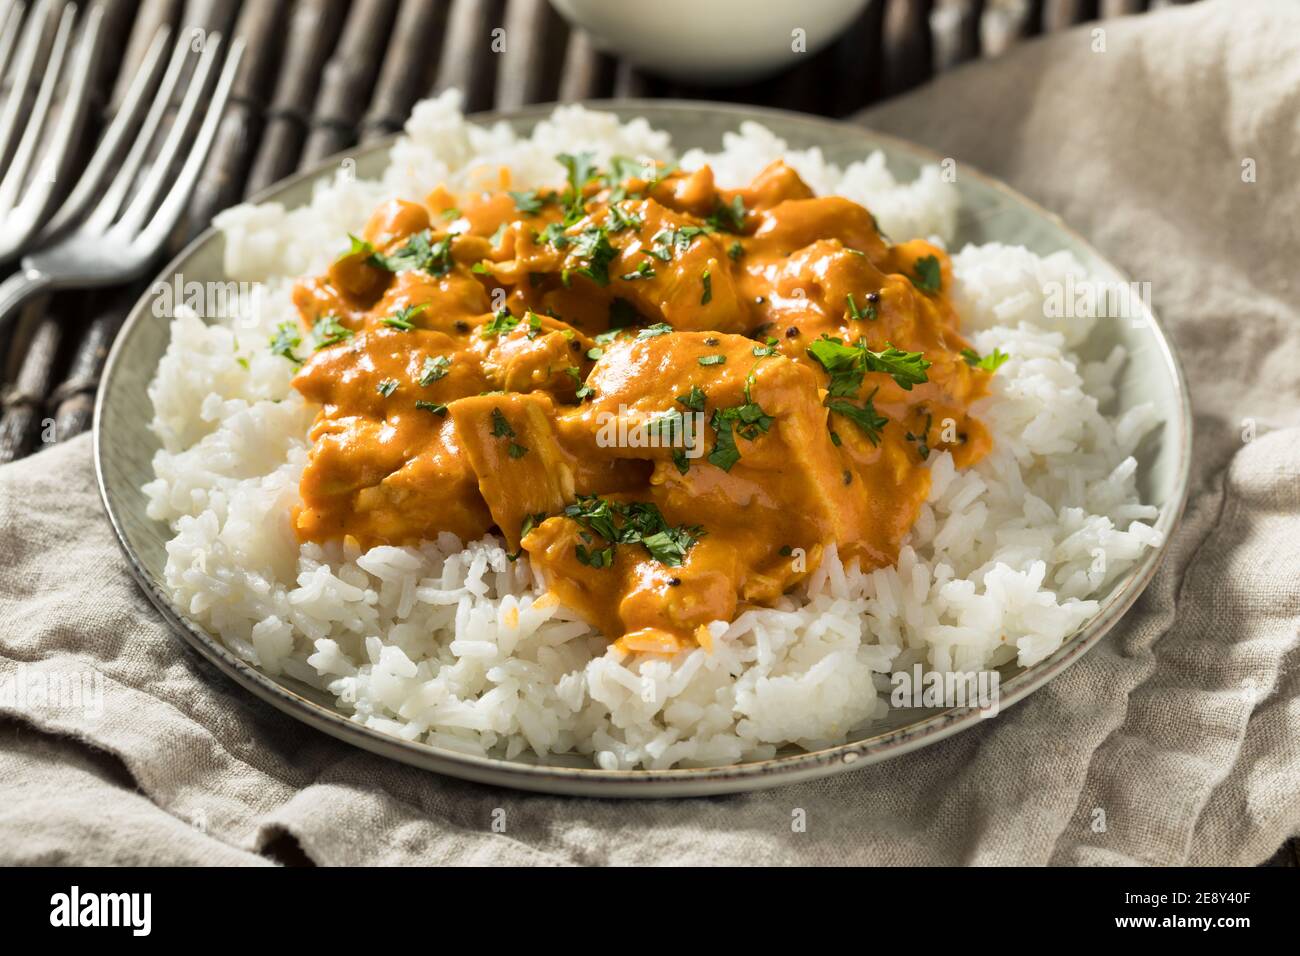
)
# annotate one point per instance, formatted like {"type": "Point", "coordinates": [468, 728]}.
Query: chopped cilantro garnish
{"type": "Point", "coordinates": [694, 399]}
{"type": "Point", "coordinates": [725, 453]}
{"type": "Point", "coordinates": [287, 338]}
{"type": "Point", "coordinates": [643, 271]}
{"type": "Point", "coordinates": [328, 331]}
{"type": "Point", "coordinates": [847, 363]}
{"type": "Point", "coordinates": [583, 390]}
{"type": "Point", "coordinates": [666, 242]}
{"type": "Point", "coordinates": [620, 219]}
{"type": "Point", "coordinates": [357, 246]}
{"type": "Point", "coordinates": [636, 522]}
{"type": "Point", "coordinates": [712, 359]}
{"type": "Point", "coordinates": [869, 313]}
{"type": "Point", "coordinates": [593, 246]}
{"type": "Point", "coordinates": [863, 416]}
{"type": "Point", "coordinates": [500, 323]}
{"type": "Point", "coordinates": [581, 170]}
{"type": "Point", "coordinates": [528, 202]}
{"type": "Point", "coordinates": [554, 235]}
{"type": "Point", "coordinates": [928, 276]}
{"type": "Point", "coordinates": [386, 386]}
{"type": "Point", "coordinates": [747, 420]}
{"type": "Point", "coordinates": [706, 279]}
{"type": "Point", "coordinates": [438, 408]}
{"type": "Point", "coordinates": [735, 250]}
{"type": "Point", "coordinates": [905, 368]}
{"type": "Point", "coordinates": [531, 522]}
{"type": "Point", "coordinates": [652, 331]}
{"type": "Point", "coordinates": [729, 217]}
{"type": "Point", "coordinates": [401, 319]}
{"type": "Point", "coordinates": [989, 363]}
{"type": "Point", "coordinates": [435, 367]}
{"type": "Point", "coordinates": [516, 450]}
{"type": "Point", "coordinates": [419, 254]}
{"type": "Point", "coordinates": [500, 427]}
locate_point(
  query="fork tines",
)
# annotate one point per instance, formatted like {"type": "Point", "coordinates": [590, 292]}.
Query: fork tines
{"type": "Point", "coordinates": [137, 198]}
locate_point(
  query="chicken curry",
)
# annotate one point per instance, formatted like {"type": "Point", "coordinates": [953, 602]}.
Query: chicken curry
{"type": "Point", "coordinates": [673, 398]}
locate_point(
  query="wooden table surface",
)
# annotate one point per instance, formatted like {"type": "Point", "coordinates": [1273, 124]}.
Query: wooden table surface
{"type": "Point", "coordinates": [322, 75]}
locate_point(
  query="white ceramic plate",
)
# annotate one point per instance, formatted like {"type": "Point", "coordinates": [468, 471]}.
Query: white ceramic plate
{"type": "Point", "coordinates": [990, 211]}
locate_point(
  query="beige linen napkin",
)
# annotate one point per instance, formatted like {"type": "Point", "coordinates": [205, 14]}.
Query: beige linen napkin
{"type": "Point", "coordinates": [1176, 740]}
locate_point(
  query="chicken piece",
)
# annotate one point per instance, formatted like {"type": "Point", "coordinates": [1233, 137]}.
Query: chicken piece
{"type": "Point", "coordinates": [511, 445]}
{"type": "Point", "coordinates": [536, 353]}
{"type": "Point", "coordinates": [666, 265]}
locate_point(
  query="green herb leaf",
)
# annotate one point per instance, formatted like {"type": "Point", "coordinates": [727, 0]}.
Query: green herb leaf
{"type": "Point", "coordinates": [593, 246]}
{"type": "Point", "coordinates": [928, 277]}
{"type": "Point", "coordinates": [620, 219]}
{"type": "Point", "coordinates": [554, 235]}
{"type": "Point", "coordinates": [869, 313]}
{"type": "Point", "coordinates": [725, 453]}
{"type": "Point", "coordinates": [581, 170]}
{"type": "Point", "coordinates": [905, 368]}
{"type": "Point", "coordinates": [643, 271]}
{"type": "Point", "coordinates": [328, 331]}
{"type": "Point", "coordinates": [420, 254]}
{"type": "Point", "coordinates": [712, 359]}
{"type": "Point", "coordinates": [401, 319]}
{"type": "Point", "coordinates": [500, 427]}
{"type": "Point", "coordinates": [694, 399]}
{"type": "Point", "coordinates": [583, 391]}
{"type": "Point", "coordinates": [847, 363]}
{"type": "Point", "coordinates": [990, 363]}
{"type": "Point", "coordinates": [863, 416]}
{"type": "Point", "coordinates": [653, 331]}
{"type": "Point", "coordinates": [499, 324]}
{"type": "Point", "coordinates": [438, 408]}
{"type": "Point", "coordinates": [387, 386]}
{"type": "Point", "coordinates": [528, 202]}
{"type": "Point", "coordinates": [618, 523]}
{"type": "Point", "coordinates": [729, 217]}
{"type": "Point", "coordinates": [435, 368]}
{"type": "Point", "coordinates": [287, 338]}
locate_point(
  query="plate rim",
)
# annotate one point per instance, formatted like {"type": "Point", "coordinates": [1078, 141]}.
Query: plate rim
{"type": "Point", "coordinates": [680, 781]}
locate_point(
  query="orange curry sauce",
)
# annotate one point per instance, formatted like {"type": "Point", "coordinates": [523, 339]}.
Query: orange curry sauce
{"type": "Point", "coordinates": [471, 352]}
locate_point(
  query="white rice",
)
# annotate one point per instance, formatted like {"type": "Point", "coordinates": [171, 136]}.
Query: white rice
{"type": "Point", "coordinates": [448, 643]}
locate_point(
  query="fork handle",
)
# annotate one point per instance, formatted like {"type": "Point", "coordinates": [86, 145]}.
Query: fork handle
{"type": "Point", "coordinates": [18, 288]}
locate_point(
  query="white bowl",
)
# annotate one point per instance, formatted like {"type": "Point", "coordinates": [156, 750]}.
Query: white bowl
{"type": "Point", "coordinates": [711, 41]}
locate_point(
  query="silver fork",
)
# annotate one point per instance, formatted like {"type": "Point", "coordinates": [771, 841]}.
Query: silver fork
{"type": "Point", "coordinates": [20, 219]}
{"type": "Point", "coordinates": [119, 239]}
